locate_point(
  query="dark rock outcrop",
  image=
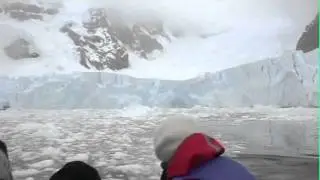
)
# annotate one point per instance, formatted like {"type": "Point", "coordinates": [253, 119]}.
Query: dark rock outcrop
{"type": "Point", "coordinates": [309, 41]}
{"type": "Point", "coordinates": [97, 48]}
{"type": "Point", "coordinates": [104, 41]}
{"type": "Point", "coordinates": [22, 12]}
{"type": "Point", "coordinates": [141, 38]}
{"type": "Point", "coordinates": [4, 105]}
{"type": "Point", "coordinates": [20, 49]}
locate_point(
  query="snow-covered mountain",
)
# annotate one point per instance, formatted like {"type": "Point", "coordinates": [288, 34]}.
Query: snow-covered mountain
{"type": "Point", "coordinates": [102, 40]}
{"type": "Point", "coordinates": [155, 53]}
{"type": "Point", "coordinates": [145, 39]}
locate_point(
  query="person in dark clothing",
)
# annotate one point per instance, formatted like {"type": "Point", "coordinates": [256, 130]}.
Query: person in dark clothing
{"type": "Point", "coordinates": [5, 166]}
{"type": "Point", "coordinates": [3, 148]}
{"type": "Point", "coordinates": [76, 170]}
{"type": "Point", "coordinates": [186, 152]}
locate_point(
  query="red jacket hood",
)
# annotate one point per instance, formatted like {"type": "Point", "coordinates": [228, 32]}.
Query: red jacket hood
{"type": "Point", "coordinates": [194, 151]}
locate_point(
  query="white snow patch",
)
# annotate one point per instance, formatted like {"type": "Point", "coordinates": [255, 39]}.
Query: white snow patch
{"type": "Point", "coordinates": [100, 164]}
{"type": "Point", "coordinates": [119, 155]}
{"type": "Point", "coordinates": [42, 164]}
{"type": "Point", "coordinates": [51, 151]}
{"type": "Point", "coordinates": [47, 130]}
{"type": "Point", "coordinates": [24, 173]}
{"type": "Point", "coordinates": [132, 168]}
{"type": "Point", "coordinates": [27, 156]}
{"type": "Point", "coordinates": [134, 111]}
{"type": "Point", "coordinates": [79, 157]}
{"type": "Point", "coordinates": [313, 57]}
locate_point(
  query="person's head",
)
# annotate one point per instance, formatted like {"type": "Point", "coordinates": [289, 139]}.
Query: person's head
{"type": "Point", "coordinates": [171, 133]}
{"type": "Point", "coordinates": [76, 170]}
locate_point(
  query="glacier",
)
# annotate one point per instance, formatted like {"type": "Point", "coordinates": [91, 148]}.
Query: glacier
{"type": "Point", "coordinates": [287, 81]}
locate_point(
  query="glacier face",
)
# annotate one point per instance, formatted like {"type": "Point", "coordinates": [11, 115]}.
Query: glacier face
{"type": "Point", "coordinates": [285, 81]}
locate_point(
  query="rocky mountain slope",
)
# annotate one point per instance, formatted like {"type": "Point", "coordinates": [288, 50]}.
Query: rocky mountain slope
{"type": "Point", "coordinates": [104, 43]}
{"type": "Point", "coordinates": [146, 40]}
{"type": "Point", "coordinates": [309, 39]}
{"type": "Point", "coordinates": [102, 40]}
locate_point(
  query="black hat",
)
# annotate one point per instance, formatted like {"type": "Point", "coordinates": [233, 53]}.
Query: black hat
{"type": "Point", "coordinates": [76, 170]}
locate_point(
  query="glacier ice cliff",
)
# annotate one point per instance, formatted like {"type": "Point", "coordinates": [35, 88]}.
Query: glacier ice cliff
{"type": "Point", "coordinates": [286, 81]}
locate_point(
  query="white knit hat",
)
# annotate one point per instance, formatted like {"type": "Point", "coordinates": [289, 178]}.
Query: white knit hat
{"type": "Point", "coordinates": [171, 134]}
